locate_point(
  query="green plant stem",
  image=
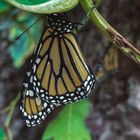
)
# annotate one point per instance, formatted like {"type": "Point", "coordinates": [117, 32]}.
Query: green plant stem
{"type": "Point", "coordinates": [11, 109]}
{"type": "Point", "coordinates": [118, 40]}
{"type": "Point", "coordinates": [9, 133]}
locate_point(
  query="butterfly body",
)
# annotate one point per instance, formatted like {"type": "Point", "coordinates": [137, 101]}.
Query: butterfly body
{"type": "Point", "coordinates": [57, 73]}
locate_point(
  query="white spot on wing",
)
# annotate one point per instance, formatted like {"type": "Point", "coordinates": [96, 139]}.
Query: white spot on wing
{"type": "Point", "coordinates": [37, 60]}
{"type": "Point", "coordinates": [31, 93]}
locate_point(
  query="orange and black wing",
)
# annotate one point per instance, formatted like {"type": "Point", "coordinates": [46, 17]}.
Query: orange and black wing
{"type": "Point", "coordinates": [34, 107]}
{"type": "Point", "coordinates": [63, 75]}
{"type": "Point", "coordinates": [58, 75]}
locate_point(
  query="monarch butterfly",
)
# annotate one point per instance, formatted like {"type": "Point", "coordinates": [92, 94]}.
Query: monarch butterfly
{"type": "Point", "coordinates": [57, 73]}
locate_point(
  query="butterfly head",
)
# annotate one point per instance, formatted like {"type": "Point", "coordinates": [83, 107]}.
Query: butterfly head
{"type": "Point", "coordinates": [60, 22]}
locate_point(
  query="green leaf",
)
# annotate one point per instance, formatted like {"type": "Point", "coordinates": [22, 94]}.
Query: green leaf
{"type": "Point", "coordinates": [44, 6]}
{"type": "Point", "coordinates": [23, 47]}
{"type": "Point", "coordinates": [2, 135]}
{"type": "Point", "coordinates": [69, 124]}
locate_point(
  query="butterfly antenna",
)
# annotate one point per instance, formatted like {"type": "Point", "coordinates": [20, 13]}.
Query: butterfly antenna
{"type": "Point", "coordinates": [84, 20]}
{"type": "Point", "coordinates": [28, 28]}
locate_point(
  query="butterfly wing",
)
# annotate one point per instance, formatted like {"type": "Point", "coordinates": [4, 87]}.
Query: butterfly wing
{"type": "Point", "coordinates": [62, 72]}
{"type": "Point", "coordinates": [58, 75]}
{"type": "Point", "coordinates": [34, 107]}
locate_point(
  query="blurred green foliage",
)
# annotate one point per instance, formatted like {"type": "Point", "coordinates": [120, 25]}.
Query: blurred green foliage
{"type": "Point", "coordinates": [70, 123]}
{"type": "Point", "coordinates": [16, 23]}
{"type": "Point", "coordinates": [23, 47]}
{"type": "Point", "coordinates": [2, 134]}
{"type": "Point", "coordinates": [4, 6]}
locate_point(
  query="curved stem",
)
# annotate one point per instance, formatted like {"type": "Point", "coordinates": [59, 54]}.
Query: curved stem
{"type": "Point", "coordinates": [118, 40]}
{"type": "Point", "coordinates": [48, 7]}
{"type": "Point", "coordinates": [11, 109]}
